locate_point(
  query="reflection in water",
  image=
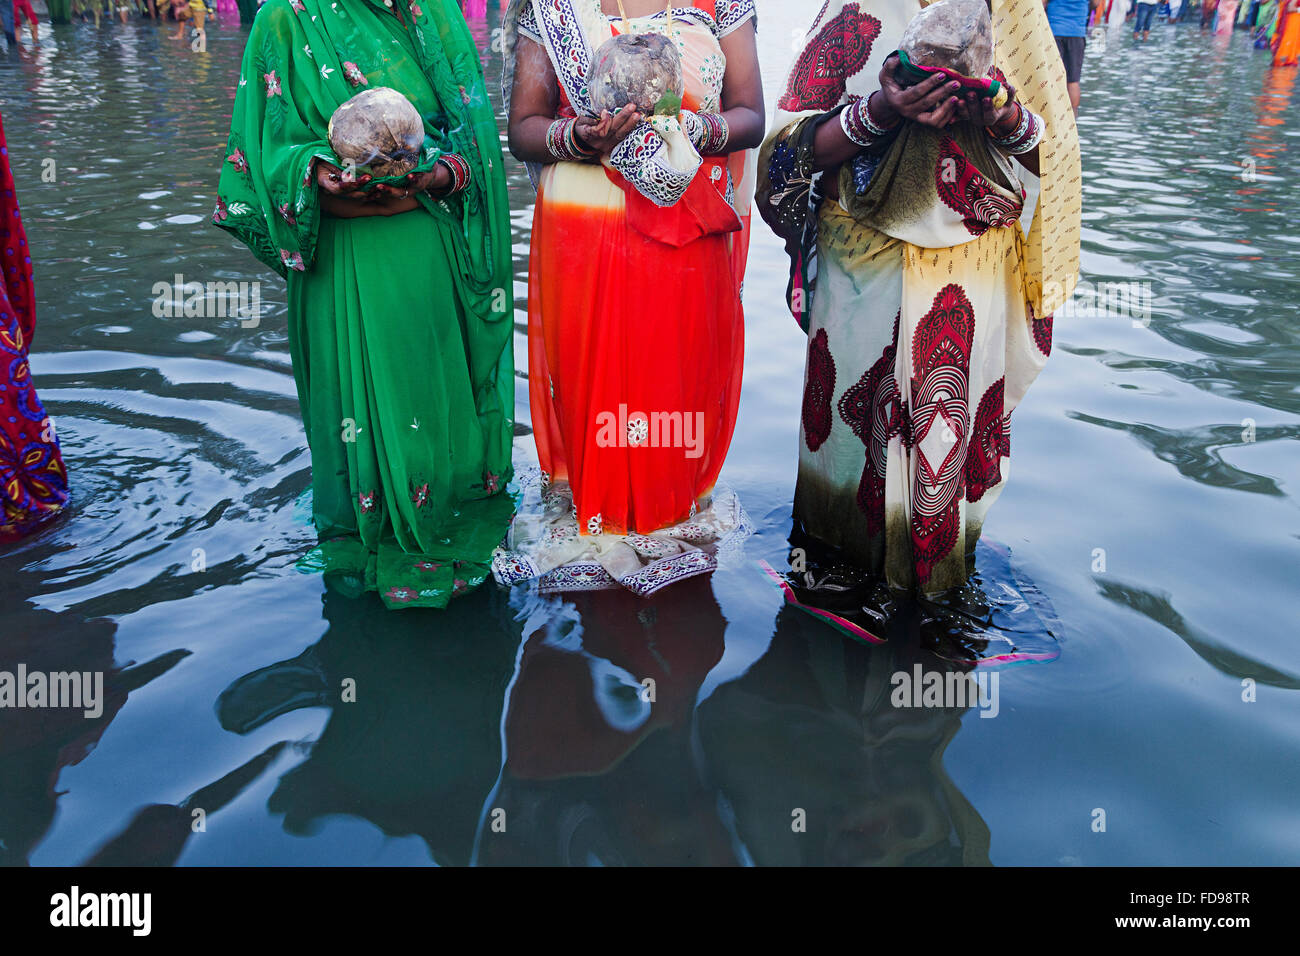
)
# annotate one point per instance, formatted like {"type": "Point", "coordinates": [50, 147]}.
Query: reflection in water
{"type": "Point", "coordinates": [1196, 452]}
{"type": "Point", "coordinates": [597, 772]}
{"type": "Point", "coordinates": [1210, 649]}
{"type": "Point", "coordinates": [35, 745]}
{"type": "Point", "coordinates": [608, 756]}
{"type": "Point", "coordinates": [811, 728]}
{"type": "Point", "coordinates": [157, 834]}
{"type": "Point", "coordinates": [412, 742]}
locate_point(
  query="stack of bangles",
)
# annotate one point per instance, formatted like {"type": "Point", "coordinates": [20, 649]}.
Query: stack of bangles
{"type": "Point", "coordinates": [1024, 138]}
{"type": "Point", "coordinates": [861, 128]}
{"type": "Point", "coordinates": [459, 173]}
{"type": "Point", "coordinates": [562, 141]}
{"type": "Point", "coordinates": [709, 133]}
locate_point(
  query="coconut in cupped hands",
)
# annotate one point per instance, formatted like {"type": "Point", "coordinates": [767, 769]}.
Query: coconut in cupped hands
{"type": "Point", "coordinates": [642, 71]}
{"type": "Point", "coordinates": [377, 131]}
{"type": "Point", "coordinates": [955, 37]}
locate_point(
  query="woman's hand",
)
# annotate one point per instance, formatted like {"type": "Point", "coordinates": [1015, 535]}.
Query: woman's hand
{"type": "Point", "coordinates": [341, 208]}
{"type": "Point", "coordinates": [343, 183]}
{"type": "Point", "coordinates": [602, 134]}
{"type": "Point", "coordinates": [981, 111]}
{"type": "Point", "coordinates": [932, 102]}
{"type": "Point", "coordinates": [438, 179]}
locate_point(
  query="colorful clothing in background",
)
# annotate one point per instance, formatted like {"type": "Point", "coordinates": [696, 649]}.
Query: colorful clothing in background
{"type": "Point", "coordinates": [1288, 34]}
{"type": "Point", "coordinates": [635, 327]}
{"type": "Point", "coordinates": [33, 482]}
{"type": "Point", "coordinates": [1068, 18]}
{"type": "Point", "coordinates": [23, 7]}
{"type": "Point", "coordinates": [1266, 24]}
{"type": "Point", "coordinates": [928, 309]}
{"type": "Point", "coordinates": [400, 326]}
{"type": "Point", "coordinates": [1146, 12]}
{"type": "Point", "coordinates": [1227, 18]}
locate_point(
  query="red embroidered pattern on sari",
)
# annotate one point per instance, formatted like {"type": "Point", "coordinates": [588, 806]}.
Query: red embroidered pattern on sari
{"type": "Point", "coordinates": [940, 420]}
{"type": "Point", "coordinates": [840, 49]}
{"type": "Point", "coordinates": [1042, 331]}
{"type": "Point", "coordinates": [990, 441]}
{"type": "Point", "coordinates": [964, 190]}
{"type": "Point", "coordinates": [873, 409]}
{"type": "Point", "coordinates": [817, 392]}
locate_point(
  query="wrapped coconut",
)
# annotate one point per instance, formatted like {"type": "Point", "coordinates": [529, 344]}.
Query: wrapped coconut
{"type": "Point", "coordinates": [377, 129]}
{"type": "Point", "coordinates": [954, 37]}
{"type": "Point", "coordinates": [641, 70]}
{"type": "Point", "coordinates": [957, 34]}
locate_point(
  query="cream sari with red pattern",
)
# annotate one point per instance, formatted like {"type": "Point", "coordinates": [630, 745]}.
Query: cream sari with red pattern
{"type": "Point", "coordinates": [926, 293]}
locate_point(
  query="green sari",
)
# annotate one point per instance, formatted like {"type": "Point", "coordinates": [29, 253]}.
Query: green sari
{"type": "Point", "coordinates": [400, 327]}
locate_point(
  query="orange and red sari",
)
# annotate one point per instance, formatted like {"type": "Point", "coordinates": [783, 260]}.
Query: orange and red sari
{"type": "Point", "coordinates": [635, 327]}
{"type": "Point", "coordinates": [1288, 35]}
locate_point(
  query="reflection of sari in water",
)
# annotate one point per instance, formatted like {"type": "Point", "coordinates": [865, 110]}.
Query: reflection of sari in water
{"type": "Point", "coordinates": [600, 758]}
{"type": "Point", "coordinates": [823, 725]}
{"type": "Point", "coordinates": [399, 325]}
{"type": "Point", "coordinates": [1227, 19]}
{"type": "Point", "coordinates": [419, 748]}
{"type": "Point", "coordinates": [38, 743]}
{"type": "Point", "coordinates": [33, 483]}
{"type": "Point", "coordinates": [1288, 35]}
{"type": "Point", "coordinates": [635, 324]}
{"type": "Point", "coordinates": [927, 308]}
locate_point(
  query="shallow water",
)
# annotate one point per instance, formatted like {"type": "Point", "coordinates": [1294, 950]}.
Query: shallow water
{"type": "Point", "coordinates": [1151, 506]}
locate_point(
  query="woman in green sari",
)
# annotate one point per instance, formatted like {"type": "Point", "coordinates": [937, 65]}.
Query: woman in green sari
{"type": "Point", "coordinates": [400, 295]}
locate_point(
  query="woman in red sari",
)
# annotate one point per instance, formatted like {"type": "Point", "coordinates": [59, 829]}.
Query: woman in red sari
{"type": "Point", "coordinates": [635, 326]}
{"type": "Point", "coordinates": [33, 483]}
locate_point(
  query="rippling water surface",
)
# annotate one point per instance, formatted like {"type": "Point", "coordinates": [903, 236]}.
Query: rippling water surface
{"type": "Point", "coordinates": [1150, 525]}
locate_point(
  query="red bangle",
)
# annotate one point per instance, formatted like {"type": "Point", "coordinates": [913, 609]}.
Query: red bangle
{"type": "Point", "coordinates": [460, 173]}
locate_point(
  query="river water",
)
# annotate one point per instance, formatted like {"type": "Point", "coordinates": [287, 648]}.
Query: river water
{"type": "Point", "coordinates": [1147, 545]}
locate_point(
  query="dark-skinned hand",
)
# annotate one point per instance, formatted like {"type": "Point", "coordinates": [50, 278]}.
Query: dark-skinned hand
{"type": "Point", "coordinates": [601, 134]}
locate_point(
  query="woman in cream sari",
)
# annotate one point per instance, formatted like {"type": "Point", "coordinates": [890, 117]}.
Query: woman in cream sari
{"type": "Point", "coordinates": [927, 304]}
{"type": "Point", "coordinates": [635, 329]}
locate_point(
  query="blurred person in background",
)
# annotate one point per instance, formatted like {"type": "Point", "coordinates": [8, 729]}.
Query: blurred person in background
{"type": "Point", "coordinates": [1069, 22]}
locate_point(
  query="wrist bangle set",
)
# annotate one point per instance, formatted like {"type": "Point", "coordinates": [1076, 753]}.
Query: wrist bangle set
{"type": "Point", "coordinates": [460, 174]}
{"type": "Point", "coordinates": [708, 132]}
{"type": "Point", "coordinates": [1025, 137]}
{"type": "Point", "coordinates": [716, 133]}
{"type": "Point", "coordinates": [860, 127]}
{"type": "Point", "coordinates": [562, 142]}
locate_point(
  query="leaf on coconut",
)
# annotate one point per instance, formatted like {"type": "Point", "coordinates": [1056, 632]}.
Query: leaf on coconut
{"type": "Point", "coordinates": [670, 104]}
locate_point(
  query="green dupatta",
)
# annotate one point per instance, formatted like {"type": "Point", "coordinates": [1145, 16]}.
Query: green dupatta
{"type": "Point", "coordinates": [304, 58]}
